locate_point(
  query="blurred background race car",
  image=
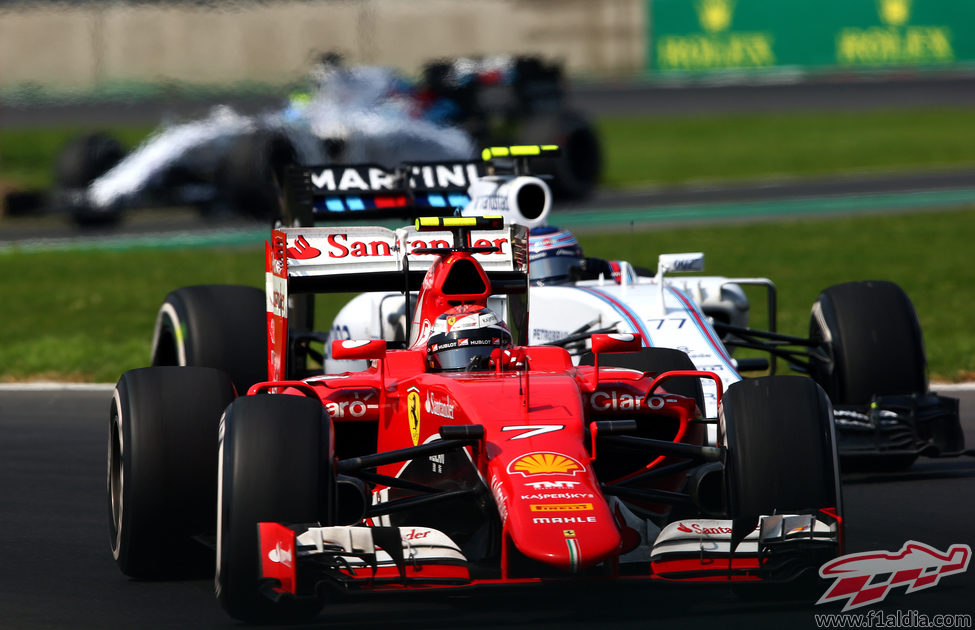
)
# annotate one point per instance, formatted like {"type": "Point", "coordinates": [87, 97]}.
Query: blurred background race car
{"type": "Point", "coordinates": [230, 162]}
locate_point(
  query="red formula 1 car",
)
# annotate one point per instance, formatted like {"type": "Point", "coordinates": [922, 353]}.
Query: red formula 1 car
{"type": "Point", "coordinates": [464, 458]}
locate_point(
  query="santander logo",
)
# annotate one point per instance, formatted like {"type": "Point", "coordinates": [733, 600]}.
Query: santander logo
{"type": "Point", "coordinates": [302, 250]}
{"type": "Point", "coordinates": [697, 528]}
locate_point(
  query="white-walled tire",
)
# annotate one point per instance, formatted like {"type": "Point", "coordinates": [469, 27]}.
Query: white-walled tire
{"type": "Point", "coordinates": [218, 326]}
{"type": "Point", "coordinates": [162, 461]}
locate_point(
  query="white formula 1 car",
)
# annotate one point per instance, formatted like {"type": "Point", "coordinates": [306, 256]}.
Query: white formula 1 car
{"type": "Point", "coordinates": [864, 346]}
{"type": "Point", "coordinates": [231, 162]}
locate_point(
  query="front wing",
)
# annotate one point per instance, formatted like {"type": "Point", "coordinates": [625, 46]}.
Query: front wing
{"type": "Point", "coordinates": [296, 559]}
{"type": "Point", "coordinates": [905, 425]}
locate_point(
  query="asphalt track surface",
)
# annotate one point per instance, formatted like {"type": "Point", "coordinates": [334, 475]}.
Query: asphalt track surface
{"type": "Point", "coordinates": [58, 570]}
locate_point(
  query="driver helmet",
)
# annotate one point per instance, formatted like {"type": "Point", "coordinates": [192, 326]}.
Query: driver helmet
{"type": "Point", "coordinates": [464, 337]}
{"type": "Point", "coordinates": [552, 252]}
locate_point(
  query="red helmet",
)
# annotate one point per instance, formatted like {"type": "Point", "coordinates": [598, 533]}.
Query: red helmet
{"type": "Point", "coordinates": [463, 338]}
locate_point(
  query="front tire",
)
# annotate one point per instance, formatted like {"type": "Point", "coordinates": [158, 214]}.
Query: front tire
{"type": "Point", "coordinates": [872, 334]}
{"type": "Point", "coordinates": [872, 337]}
{"type": "Point", "coordinates": [781, 447]}
{"type": "Point", "coordinates": [162, 469]}
{"type": "Point", "coordinates": [275, 466]}
{"type": "Point", "coordinates": [79, 163]}
{"type": "Point", "coordinates": [218, 326]}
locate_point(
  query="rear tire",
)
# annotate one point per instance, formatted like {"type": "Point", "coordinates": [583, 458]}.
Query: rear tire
{"type": "Point", "coordinates": [218, 326]}
{"type": "Point", "coordinates": [577, 170]}
{"type": "Point", "coordinates": [253, 175]}
{"type": "Point", "coordinates": [275, 466]}
{"type": "Point", "coordinates": [872, 333]}
{"type": "Point", "coordinates": [162, 469]}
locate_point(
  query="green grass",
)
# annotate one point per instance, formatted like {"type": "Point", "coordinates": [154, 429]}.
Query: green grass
{"type": "Point", "coordinates": [682, 149]}
{"type": "Point", "coordinates": [27, 155]}
{"type": "Point", "coordinates": [89, 315]}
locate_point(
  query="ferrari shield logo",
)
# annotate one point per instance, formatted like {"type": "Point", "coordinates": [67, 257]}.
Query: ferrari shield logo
{"type": "Point", "coordinates": [413, 414]}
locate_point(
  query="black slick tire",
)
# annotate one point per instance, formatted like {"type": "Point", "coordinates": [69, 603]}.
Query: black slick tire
{"type": "Point", "coordinates": [871, 332]}
{"type": "Point", "coordinates": [578, 169]}
{"type": "Point", "coordinates": [162, 469]}
{"type": "Point", "coordinates": [218, 326]}
{"type": "Point", "coordinates": [275, 466]}
{"type": "Point", "coordinates": [781, 447]}
{"type": "Point", "coordinates": [253, 175]}
{"type": "Point", "coordinates": [79, 163]}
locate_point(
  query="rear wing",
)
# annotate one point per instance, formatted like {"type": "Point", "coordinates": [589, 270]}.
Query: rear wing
{"type": "Point", "coordinates": [358, 192]}
{"type": "Point", "coordinates": [331, 259]}
{"type": "Point", "coordinates": [497, 184]}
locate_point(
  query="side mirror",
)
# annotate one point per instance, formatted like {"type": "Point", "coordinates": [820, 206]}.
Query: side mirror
{"type": "Point", "coordinates": [668, 263]}
{"type": "Point", "coordinates": [365, 349]}
{"type": "Point", "coordinates": [616, 342]}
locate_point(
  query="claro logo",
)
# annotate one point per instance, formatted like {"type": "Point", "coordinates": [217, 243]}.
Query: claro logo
{"type": "Point", "coordinates": [616, 401]}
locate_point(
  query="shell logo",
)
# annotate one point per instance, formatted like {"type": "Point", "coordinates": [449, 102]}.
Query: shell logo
{"type": "Point", "coordinates": [545, 464]}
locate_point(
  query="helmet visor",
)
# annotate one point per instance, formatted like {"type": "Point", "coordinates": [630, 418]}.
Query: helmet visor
{"type": "Point", "coordinates": [461, 358]}
{"type": "Point", "coordinates": [552, 269]}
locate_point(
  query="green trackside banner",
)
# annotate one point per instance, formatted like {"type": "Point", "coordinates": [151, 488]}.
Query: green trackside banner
{"type": "Point", "coordinates": [695, 36]}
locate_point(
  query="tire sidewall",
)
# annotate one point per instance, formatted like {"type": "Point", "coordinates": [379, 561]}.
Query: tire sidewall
{"type": "Point", "coordinates": [872, 336]}
{"type": "Point", "coordinates": [275, 464]}
{"type": "Point", "coordinates": [162, 469]}
{"type": "Point", "coordinates": [218, 326]}
{"type": "Point", "coordinates": [781, 444]}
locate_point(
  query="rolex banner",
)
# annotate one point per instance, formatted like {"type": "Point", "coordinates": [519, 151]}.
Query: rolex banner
{"type": "Point", "coordinates": [692, 36]}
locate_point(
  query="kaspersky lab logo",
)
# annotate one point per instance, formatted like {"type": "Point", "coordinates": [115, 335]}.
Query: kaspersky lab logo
{"type": "Point", "coordinates": [866, 578]}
